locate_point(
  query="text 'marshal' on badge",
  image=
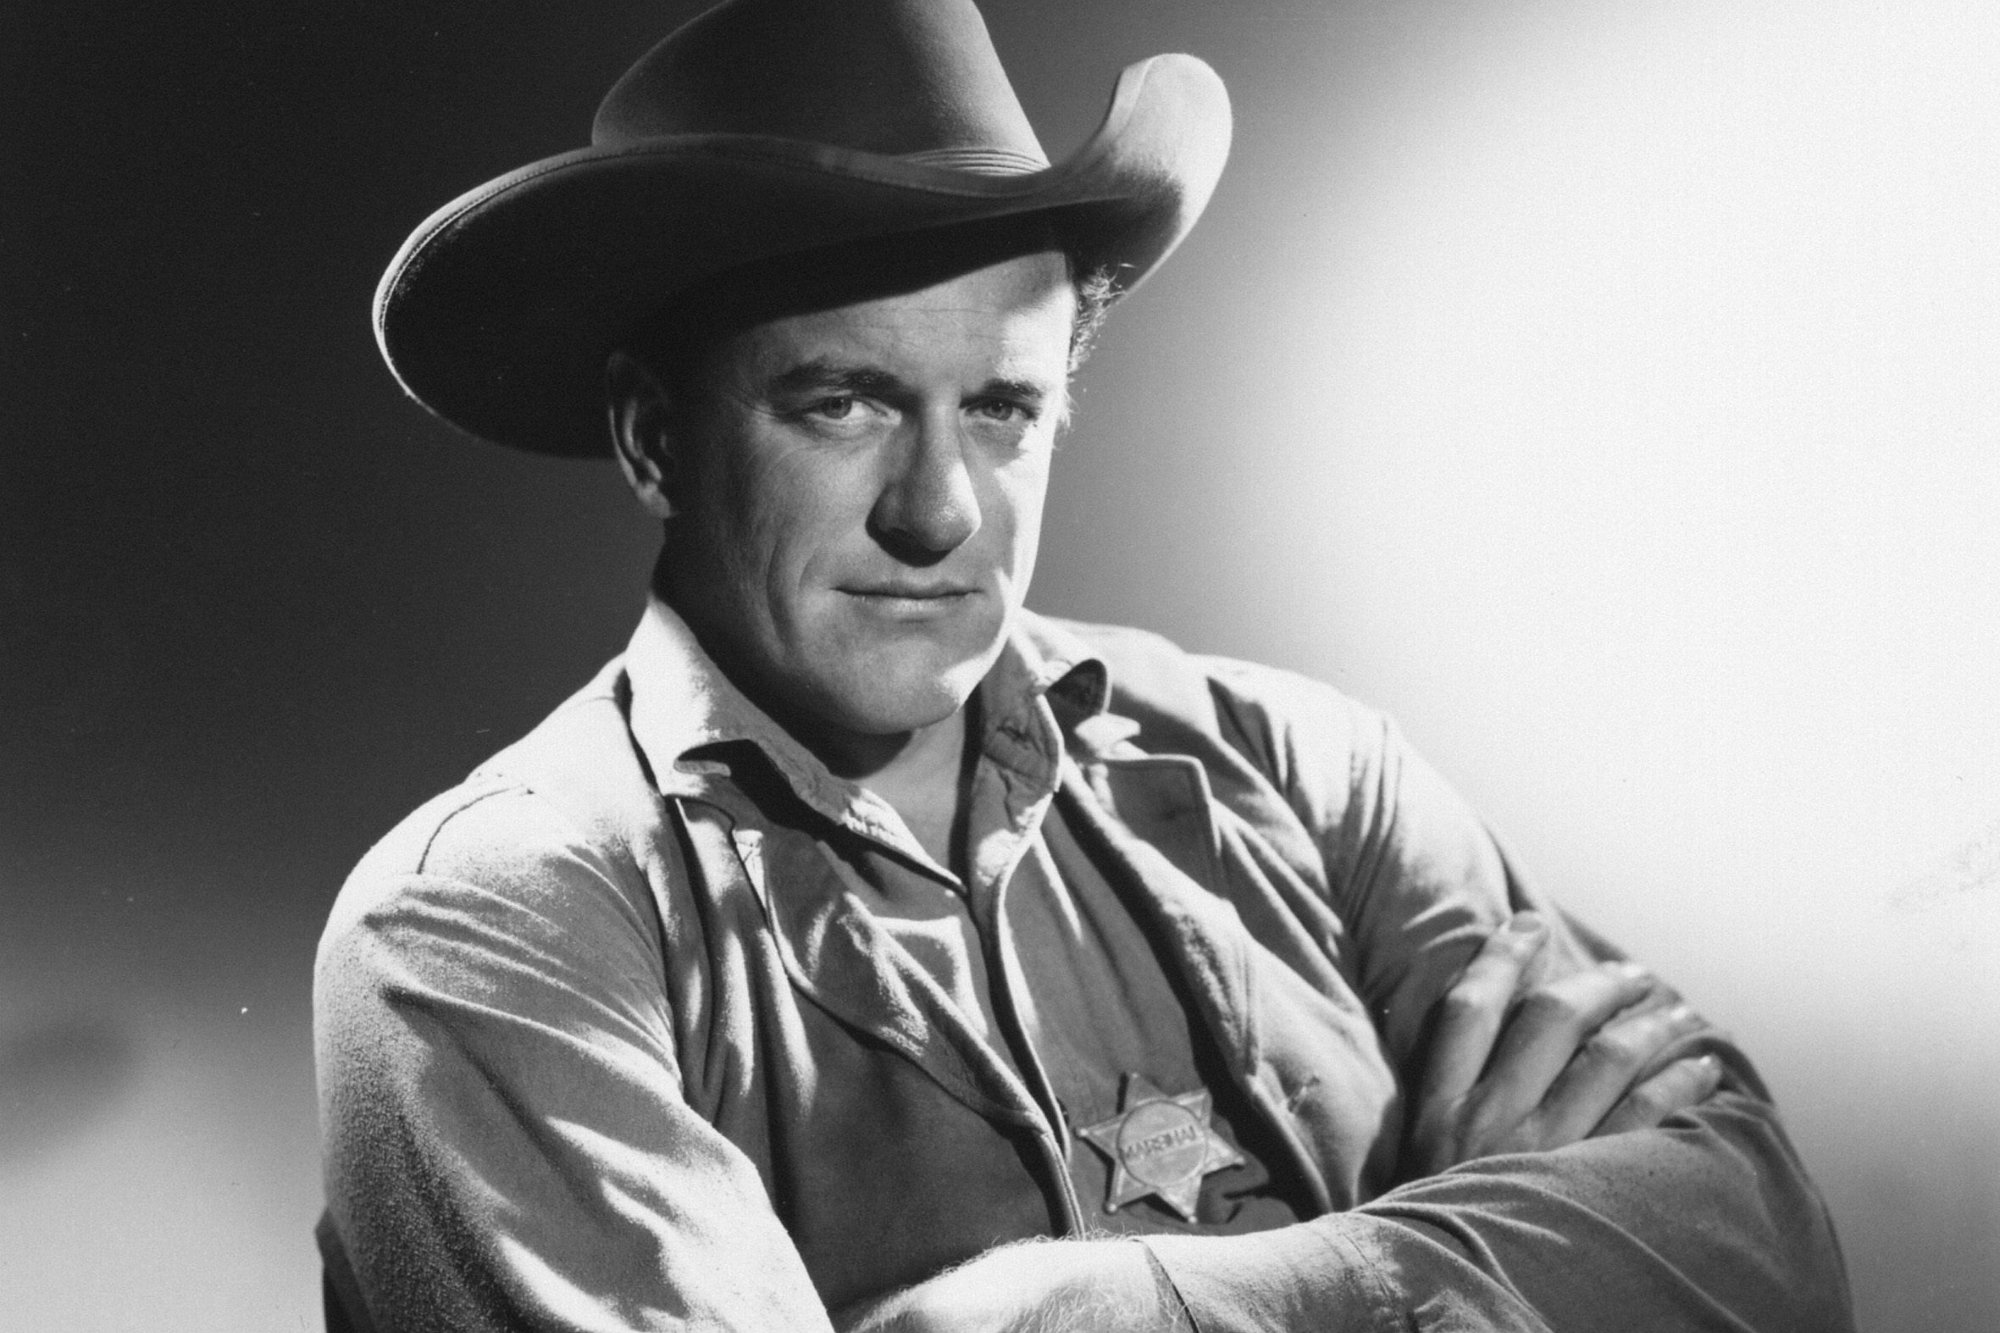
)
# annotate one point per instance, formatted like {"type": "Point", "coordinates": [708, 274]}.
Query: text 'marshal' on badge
{"type": "Point", "coordinates": [1159, 1145]}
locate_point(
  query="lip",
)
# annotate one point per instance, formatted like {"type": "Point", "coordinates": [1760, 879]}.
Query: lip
{"type": "Point", "coordinates": [908, 592]}
{"type": "Point", "coordinates": [910, 601]}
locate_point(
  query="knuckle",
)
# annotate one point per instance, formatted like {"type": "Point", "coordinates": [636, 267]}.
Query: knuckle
{"type": "Point", "coordinates": [1629, 973]}
{"type": "Point", "coordinates": [1440, 1120]}
{"type": "Point", "coordinates": [1689, 1073]}
{"type": "Point", "coordinates": [1436, 1145]}
{"type": "Point", "coordinates": [1546, 1004]}
{"type": "Point", "coordinates": [1611, 1047]}
{"type": "Point", "coordinates": [1491, 972]}
{"type": "Point", "coordinates": [1696, 1077]}
{"type": "Point", "coordinates": [1478, 1136]}
{"type": "Point", "coordinates": [1464, 1001]}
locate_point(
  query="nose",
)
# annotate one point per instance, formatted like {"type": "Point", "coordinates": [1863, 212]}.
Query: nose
{"type": "Point", "coordinates": [928, 505]}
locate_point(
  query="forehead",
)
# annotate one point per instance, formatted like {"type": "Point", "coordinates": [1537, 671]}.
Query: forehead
{"type": "Point", "coordinates": [1018, 311]}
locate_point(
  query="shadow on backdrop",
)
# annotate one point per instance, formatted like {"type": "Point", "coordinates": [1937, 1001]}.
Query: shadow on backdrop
{"type": "Point", "coordinates": [59, 1081]}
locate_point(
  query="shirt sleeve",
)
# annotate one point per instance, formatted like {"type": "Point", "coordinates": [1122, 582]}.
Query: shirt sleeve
{"type": "Point", "coordinates": [506, 1141]}
{"type": "Point", "coordinates": [1706, 1222]}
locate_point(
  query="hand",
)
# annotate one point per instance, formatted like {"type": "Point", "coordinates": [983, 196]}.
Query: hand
{"type": "Point", "coordinates": [1058, 1286]}
{"type": "Point", "coordinates": [1520, 1061]}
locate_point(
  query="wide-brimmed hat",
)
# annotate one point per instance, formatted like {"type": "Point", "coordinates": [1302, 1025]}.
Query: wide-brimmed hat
{"type": "Point", "coordinates": [768, 128]}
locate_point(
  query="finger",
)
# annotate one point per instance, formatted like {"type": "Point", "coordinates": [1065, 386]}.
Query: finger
{"type": "Point", "coordinates": [1543, 1035]}
{"type": "Point", "coordinates": [1682, 1084]}
{"type": "Point", "coordinates": [1606, 1068]}
{"type": "Point", "coordinates": [1470, 1014]}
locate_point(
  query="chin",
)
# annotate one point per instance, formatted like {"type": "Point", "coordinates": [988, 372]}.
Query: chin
{"type": "Point", "coordinates": [892, 698]}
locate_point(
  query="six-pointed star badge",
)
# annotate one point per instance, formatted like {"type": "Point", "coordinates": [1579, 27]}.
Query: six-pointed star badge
{"type": "Point", "coordinates": [1159, 1145]}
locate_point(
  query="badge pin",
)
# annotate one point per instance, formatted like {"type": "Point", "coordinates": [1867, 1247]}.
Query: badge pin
{"type": "Point", "coordinates": [1159, 1145]}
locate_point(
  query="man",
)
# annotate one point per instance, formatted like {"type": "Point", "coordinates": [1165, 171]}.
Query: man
{"type": "Point", "coordinates": [857, 924]}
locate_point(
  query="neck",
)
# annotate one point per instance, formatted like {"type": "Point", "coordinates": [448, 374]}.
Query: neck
{"type": "Point", "coordinates": [901, 759]}
{"type": "Point", "coordinates": [921, 774]}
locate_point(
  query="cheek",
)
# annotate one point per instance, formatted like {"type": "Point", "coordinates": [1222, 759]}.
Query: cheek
{"type": "Point", "coordinates": [734, 533]}
{"type": "Point", "coordinates": [1022, 487]}
{"type": "Point", "coordinates": [791, 507]}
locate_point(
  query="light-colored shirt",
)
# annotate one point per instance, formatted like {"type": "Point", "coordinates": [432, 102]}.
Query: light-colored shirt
{"type": "Point", "coordinates": [612, 1036]}
{"type": "Point", "coordinates": [1035, 948]}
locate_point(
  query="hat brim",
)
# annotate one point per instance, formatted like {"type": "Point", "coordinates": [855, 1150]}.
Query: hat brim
{"type": "Point", "coordinates": [499, 312]}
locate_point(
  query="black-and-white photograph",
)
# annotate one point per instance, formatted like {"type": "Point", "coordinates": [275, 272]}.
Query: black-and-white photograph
{"type": "Point", "coordinates": [1000, 666]}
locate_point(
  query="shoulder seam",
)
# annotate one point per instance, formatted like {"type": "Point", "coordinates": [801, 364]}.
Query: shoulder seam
{"type": "Point", "coordinates": [438, 827]}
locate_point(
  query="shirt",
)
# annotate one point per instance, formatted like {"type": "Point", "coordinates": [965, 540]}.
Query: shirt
{"type": "Point", "coordinates": [604, 1044]}
{"type": "Point", "coordinates": [1043, 960]}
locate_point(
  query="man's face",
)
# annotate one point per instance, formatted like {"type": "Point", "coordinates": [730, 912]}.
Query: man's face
{"type": "Point", "coordinates": [858, 495]}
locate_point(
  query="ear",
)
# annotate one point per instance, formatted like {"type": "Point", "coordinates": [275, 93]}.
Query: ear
{"type": "Point", "coordinates": [640, 432]}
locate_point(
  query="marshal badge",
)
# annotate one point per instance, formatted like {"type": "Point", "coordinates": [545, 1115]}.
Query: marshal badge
{"type": "Point", "coordinates": [1159, 1145]}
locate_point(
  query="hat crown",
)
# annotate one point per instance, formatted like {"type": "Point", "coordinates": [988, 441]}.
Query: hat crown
{"type": "Point", "coordinates": [902, 78]}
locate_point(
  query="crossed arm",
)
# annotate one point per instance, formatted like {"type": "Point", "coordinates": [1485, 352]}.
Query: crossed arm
{"type": "Point", "coordinates": [1681, 1207]}
{"type": "Point", "coordinates": [1521, 1057]}
{"type": "Point", "coordinates": [509, 1145]}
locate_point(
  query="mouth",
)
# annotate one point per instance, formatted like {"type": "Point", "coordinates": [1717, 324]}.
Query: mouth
{"type": "Point", "coordinates": [908, 600]}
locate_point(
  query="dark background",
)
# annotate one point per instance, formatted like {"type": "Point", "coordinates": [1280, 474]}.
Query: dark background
{"type": "Point", "coordinates": [254, 606]}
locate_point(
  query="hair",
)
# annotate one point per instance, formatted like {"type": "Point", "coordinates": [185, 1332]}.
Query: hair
{"type": "Point", "coordinates": [1095, 291]}
{"type": "Point", "coordinates": [677, 340]}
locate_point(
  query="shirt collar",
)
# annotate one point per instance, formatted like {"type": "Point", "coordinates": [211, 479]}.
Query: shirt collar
{"type": "Point", "coordinates": [1045, 683]}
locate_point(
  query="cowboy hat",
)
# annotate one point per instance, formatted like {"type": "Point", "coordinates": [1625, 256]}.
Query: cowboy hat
{"type": "Point", "coordinates": [762, 129]}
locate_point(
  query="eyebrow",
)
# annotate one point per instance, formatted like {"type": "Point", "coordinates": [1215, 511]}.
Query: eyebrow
{"type": "Point", "coordinates": [822, 373]}
{"type": "Point", "coordinates": [1026, 390]}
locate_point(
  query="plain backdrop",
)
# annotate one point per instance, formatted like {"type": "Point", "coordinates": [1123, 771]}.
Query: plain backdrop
{"type": "Point", "coordinates": [1608, 390]}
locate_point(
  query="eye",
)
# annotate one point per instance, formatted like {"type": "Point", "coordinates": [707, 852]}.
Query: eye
{"type": "Point", "coordinates": [1004, 409]}
{"type": "Point", "coordinates": [833, 412]}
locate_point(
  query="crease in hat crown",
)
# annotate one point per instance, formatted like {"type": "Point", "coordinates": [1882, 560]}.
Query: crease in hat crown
{"type": "Point", "coordinates": [899, 78]}
{"type": "Point", "coordinates": [763, 128]}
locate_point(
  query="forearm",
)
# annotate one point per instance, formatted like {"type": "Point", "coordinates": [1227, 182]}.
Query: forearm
{"type": "Point", "coordinates": [1707, 1222]}
{"type": "Point", "coordinates": [1055, 1286]}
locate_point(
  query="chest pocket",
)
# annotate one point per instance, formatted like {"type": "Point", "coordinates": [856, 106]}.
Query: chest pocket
{"type": "Point", "coordinates": [1267, 959]}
